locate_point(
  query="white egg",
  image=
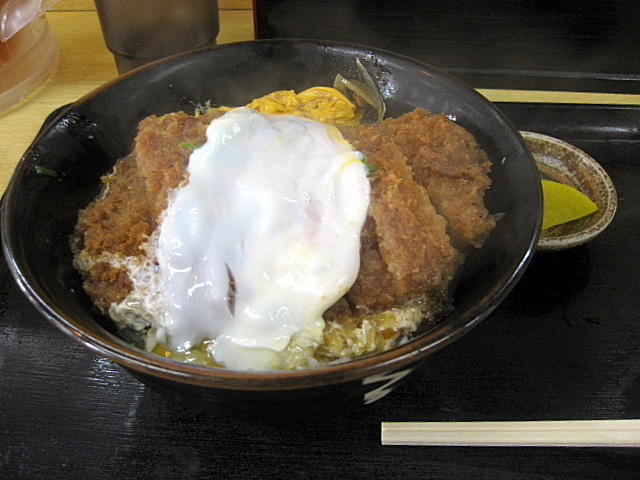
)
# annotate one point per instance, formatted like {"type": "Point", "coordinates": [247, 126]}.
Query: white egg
{"type": "Point", "coordinates": [262, 239]}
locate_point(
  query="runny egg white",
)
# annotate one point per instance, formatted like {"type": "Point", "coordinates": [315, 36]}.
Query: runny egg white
{"type": "Point", "coordinates": [261, 240]}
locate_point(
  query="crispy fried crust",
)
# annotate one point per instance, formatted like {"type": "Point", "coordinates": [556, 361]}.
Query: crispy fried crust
{"type": "Point", "coordinates": [406, 249]}
{"type": "Point", "coordinates": [426, 208]}
{"type": "Point", "coordinates": [447, 160]}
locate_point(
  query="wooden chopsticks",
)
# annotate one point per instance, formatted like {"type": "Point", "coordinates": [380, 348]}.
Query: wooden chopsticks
{"type": "Point", "coordinates": [565, 433]}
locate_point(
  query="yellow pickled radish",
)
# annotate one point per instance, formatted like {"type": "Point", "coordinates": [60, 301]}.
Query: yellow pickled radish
{"type": "Point", "coordinates": [563, 203]}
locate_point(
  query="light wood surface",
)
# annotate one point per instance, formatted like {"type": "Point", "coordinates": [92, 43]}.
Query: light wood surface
{"type": "Point", "coordinates": [85, 63]}
{"type": "Point", "coordinates": [539, 433]}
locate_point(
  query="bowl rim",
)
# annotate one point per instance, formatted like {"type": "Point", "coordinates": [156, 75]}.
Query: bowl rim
{"type": "Point", "coordinates": [129, 356]}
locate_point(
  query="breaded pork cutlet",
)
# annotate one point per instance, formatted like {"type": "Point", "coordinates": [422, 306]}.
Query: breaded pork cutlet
{"type": "Point", "coordinates": [447, 160]}
{"type": "Point", "coordinates": [427, 209]}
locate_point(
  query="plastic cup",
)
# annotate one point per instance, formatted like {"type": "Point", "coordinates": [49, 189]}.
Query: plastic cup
{"type": "Point", "coordinates": [27, 57]}
{"type": "Point", "coordinates": [140, 31]}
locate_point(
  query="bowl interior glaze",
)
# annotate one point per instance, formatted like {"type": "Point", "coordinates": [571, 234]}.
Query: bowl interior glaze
{"type": "Point", "coordinates": [83, 141]}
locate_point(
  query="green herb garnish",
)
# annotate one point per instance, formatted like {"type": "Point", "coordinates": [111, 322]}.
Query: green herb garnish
{"type": "Point", "coordinates": [46, 171]}
{"type": "Point", "coordinates": [190, 145]}
{"type": "Point", "coordinates": [370, 168]}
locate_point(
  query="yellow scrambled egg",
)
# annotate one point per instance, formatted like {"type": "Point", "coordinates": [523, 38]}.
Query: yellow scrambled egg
{"type": "Point", "coordinates": [324, 104]}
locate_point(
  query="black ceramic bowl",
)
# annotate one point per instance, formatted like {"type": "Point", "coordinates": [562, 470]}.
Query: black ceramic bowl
{"type": "Point", "coordinates": [83, 141]}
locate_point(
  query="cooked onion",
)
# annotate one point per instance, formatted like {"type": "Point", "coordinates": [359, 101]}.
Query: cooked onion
{"type": "Point", "coordinates": [365, 88]}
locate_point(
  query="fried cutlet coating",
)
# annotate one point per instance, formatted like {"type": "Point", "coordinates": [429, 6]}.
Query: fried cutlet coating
{"type": "Point", "coordinates": [405, 249]}
{"type": "Point", "coordinates": [126, 211]}
{"type": "Point", "coordinates": [426, 207]}
{"type": "Point", "coordinates": [163, 147]}
{"type": "Point", "coordinates": [447, 160]}
{"type": "Point", "coordinates": [113, 225]}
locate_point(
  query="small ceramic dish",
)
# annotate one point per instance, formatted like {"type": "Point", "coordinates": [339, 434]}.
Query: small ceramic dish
{"type": "Point", "coordinates": [562, 162]}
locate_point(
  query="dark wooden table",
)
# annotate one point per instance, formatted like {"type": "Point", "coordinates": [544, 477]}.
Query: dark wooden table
{"type": "Point", "coordinates": [564, 345]}
{"type": "Point", "coordinates": [585, 45]}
